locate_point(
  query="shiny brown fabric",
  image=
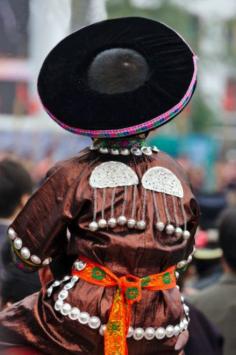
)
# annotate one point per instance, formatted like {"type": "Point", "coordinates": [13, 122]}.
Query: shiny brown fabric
{"type": "Point", "coordinates": [65, 201]}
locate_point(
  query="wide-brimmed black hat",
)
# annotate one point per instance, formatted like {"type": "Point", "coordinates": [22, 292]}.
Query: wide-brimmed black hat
{"type": "Point", "coordinates": [117, 78]}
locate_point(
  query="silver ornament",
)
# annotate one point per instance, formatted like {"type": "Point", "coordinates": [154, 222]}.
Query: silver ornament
{"type": "Point", "coordinates": [138, 333]}
{"type": "Point", "coordinates": [121, 220]}
{"type": "Point", "coordinates": [18, 243]}
{"type": "Point", "coordinates": [84, 318]}
{"type": "Point", "coordinates": [141, 225]}
{"type": "Point", "coordinates": [186, 234]}
{"type": "Point", "coordinates": [63, 294]}
{"type": "Point", "coordinates": [25, 253]}
{"type": "Point", "coordinates": [181, 264]}
{"type": "Point", "coordinates": [74, 279]}
{"type": "Point", "coordinates": [58, 305]}
{"type": "Point", "coordinates": [11, 233]}
{"type": "Point", "coordinates": [69, 285]}
{"type": "Point", "coordinates": [146, 151]}
{"type": "Point", "coordinates": [56, 283]}
{"type": "Point", "coordinates": [102, 223]}
{"type": "Point", "coordinates": [160, 333]}
{"type": "Point", "coordinates": [178, 232]}
{"type": "Point", "coordinates": [47, 261]}
{"type": "Point", "coordinates": [93, 226]}
{"type": "Point", "coordinates": [160, 226]}
{"type": "Point", "coordinates": [65, 309]}
{"type": "Point", "coordinates": [185, 323]}
{"type": "Point", "coordinates": [155, 149]}
{"type": "Point", "coordinates": [66, 278]}
{"type": "Point", "coordinates": [102, 329]}
{"type": "Point", "coordinates": [169, 331]}
{"type": "Point", "coordinates": [115, 151]}
{"type": "Point", "coordinates": [186, 309]}
{"type": "Point", "coordinates": [190, 258]}
{"type": "Point", "coordinates": [181, 325]}
{"type": "Point", "coordinates": [125, 151]}
{"type": "Point", "coordinates": [49, 291]}
{"type": "Point", "coordinates": [103, 150]}
{"type": "Point", "coordinates": [149, 333]}
{"type": "Point", "coordinates": [74, 313]}
{"type": "Point", "coordinates": [176, 330]}
{"type": "Point", "coordinates": [35, 259]}
{"type": "Point", "coordinates": [93, 147]}
{"type": "Point", "coordinates": [79, 265]}
{"type": "Point", "coordinates": [131, 223]}
{"type": "Point", "coordinates": [170, 229]}
{"type": "Point", "coordinates": [136, 151]}
{"type": "Point", "coordinates": [94, 322]}
{"type": "Point", "coordinates": [130, 332]}
{"type": "Point", "coordinates": [112, 222]}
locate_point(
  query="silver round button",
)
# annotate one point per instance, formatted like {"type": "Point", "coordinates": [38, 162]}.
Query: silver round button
{"type": "Point", "coordinates": [138, 333]}
{"type": "Point", "coordinates": [149, 333]}
{"type": "Point", "coordinates": [141, 225]}
{"type": "Point", "coordinates": [146, 150]}
{"type": "Point", "coordinates": [93, 226]}
{"type": "Point", "coordinates": [18, 243]}
{"type": "Point", "coordinates": [186, 234]}
{"type": "Point", "coordinates": [35, 259]}
{"type": "Point", "coordinates": [130, 332]}
{"type": "Point", "coordinates": [170, 229]}
{"type": "Point", "coordinates": [125, 151]}
{"type": "Point", "coordinates": [160, 333]}
{"type": "Point", "coordinates": [66, 308]}
{"type": "Point", "coordinates": [160, 226]}
{"type": "Point", "coordinates": [102, 223]}
{"type": "Point", "coordinates": [131, 223]}
{"type": "Point", "coordinates": [11, 233]}
{"type": "Point", "coordinates": [84, 318]}
{"type": "Point", "coordinates": [178, 232]}
{"type": "Point", "coordinates": [25, 253]}
{"type": "Point", "coordinates": [121, 220]}
{"type": "Point", "coordinates": [94, 322]}
{"type": "Point", "coordinates": [112, 222]}
{"type": "Point", "coordinates": [63, 294]}
{"type": "Point", "coordinates": [58, 305]}
{"type": "Point", "coordinates": [74, 313]}
{"type": "Point", "coordinates": [169, 331]}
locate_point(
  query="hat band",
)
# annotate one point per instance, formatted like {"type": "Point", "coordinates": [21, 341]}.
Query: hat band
{"type": "Point", "coordinates": [140, 128]}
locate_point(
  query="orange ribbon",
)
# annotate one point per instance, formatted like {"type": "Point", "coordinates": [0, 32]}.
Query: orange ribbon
{"type": "Point", "coordinates": [128, 292]}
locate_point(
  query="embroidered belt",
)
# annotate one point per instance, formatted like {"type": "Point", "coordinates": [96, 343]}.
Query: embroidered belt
{"type": "Point", "coordinates": [129, 291]}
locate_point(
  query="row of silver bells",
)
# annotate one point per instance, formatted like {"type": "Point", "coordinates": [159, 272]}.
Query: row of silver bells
{"type": "Point", "coordinates": [131, 223]}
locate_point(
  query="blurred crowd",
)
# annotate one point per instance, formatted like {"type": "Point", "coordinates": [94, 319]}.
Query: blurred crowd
{"type": "Point", "coordinates": [209, 281]}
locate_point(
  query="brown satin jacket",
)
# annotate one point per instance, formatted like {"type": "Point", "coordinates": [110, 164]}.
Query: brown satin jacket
{"type": "Point", "coordinates": [55, 222]}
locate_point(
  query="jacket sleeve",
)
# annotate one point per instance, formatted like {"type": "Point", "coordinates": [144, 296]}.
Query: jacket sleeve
{"type": "Point", "coordinates": [38, 233]}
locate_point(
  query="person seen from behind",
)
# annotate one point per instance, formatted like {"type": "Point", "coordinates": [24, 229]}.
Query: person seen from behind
{"type": "Point", "coordinates": [218, 302]}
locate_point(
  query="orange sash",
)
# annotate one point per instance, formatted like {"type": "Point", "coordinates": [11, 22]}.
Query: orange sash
{"type": "Point", "coordinates": [129, 291]}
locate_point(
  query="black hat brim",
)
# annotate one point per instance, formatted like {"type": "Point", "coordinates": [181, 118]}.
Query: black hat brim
{"type": "Point", "coordinates": [65, 93]}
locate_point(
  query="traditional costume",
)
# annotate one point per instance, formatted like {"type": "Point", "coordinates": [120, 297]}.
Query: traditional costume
{"type": "Point", "coordinates": [122, 211]}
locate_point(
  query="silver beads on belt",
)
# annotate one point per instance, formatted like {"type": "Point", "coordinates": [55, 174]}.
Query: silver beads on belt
{"type": "Point", "coordinates": [94, 322]}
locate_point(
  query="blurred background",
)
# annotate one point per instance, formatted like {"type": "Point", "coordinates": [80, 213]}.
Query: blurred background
{"type": "Point", "coordinates": [202, 138]}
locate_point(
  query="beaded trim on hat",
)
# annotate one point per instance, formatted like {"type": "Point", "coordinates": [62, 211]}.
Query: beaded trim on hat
{"type": "Point", "coordinates": [142, 127]}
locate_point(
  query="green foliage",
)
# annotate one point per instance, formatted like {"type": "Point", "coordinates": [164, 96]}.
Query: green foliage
{"type": "Point", "coordinates": [202, 117]}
